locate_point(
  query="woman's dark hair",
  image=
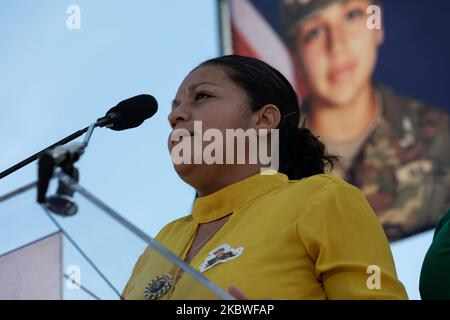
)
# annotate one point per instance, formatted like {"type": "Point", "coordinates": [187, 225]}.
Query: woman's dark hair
{"type": "Point", "coordinates": [301, 153]}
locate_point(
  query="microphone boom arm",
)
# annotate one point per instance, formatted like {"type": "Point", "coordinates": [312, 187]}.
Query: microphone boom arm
{"type": "Point", "coordinates": [127, 114]}
{"type": "Point", "coordinates": [100, 123]}
{"type": "Point", "coordinates": [34, 157]}
{"type": "Point", "coordinates": [63, 157]}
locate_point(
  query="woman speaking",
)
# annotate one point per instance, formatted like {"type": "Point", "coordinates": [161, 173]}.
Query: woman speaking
{"type": "Point", "coordinates": [292, 232]}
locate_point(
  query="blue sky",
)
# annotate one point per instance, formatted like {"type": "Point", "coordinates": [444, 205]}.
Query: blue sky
{"type": "Point", "coordinates": [54, 81]}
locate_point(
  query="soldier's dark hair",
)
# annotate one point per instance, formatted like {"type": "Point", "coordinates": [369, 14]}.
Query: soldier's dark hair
{"type": "Point", "coordinates": [291, 17]}
{"type": "Point", "coordinates": [301, 153]}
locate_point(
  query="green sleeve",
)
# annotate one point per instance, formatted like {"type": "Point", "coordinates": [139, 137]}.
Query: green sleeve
{"type": "Point", "coordinates": [435, 274]}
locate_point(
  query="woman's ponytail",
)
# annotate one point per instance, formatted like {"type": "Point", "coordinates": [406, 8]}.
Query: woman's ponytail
{"type": "Point", "coordinates": [301, 153]}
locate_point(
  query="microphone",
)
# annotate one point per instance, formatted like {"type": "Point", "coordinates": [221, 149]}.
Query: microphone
{"type": "Point", "coordinates": [129, 113]}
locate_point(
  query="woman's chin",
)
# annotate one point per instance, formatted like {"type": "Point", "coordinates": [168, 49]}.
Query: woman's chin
{"type": "Point", "coordinates": [189, 173]}
{"type": "Point", "coordinates": [340, 95]}
{"type": "Point", "coordinates": [196, 175]}
{"type": "Point", "coordinates": [183, 169]}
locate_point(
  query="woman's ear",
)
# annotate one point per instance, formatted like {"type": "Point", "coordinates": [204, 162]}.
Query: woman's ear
{"type": "Point", "coordinates": [268, 117]}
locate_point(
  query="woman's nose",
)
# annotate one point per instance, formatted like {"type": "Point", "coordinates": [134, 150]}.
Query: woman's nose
{"type": "Point", "coordinates": [178, 115]}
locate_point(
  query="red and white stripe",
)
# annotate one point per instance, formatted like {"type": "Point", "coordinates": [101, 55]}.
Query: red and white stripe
{"type": "Point", "coordinates": [253, 36]}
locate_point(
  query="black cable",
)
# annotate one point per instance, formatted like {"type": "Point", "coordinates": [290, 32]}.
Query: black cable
{"type": "Point", "coordinates": [81, 252]}
{"type": "Point", "coordinates": [37, 155]}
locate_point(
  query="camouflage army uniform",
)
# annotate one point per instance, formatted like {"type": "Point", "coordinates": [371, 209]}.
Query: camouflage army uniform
{"type": "Point", "coordinates": [403, 167]}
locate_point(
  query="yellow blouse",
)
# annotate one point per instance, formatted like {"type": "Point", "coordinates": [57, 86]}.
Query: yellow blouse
{"type": "Point", "coordinates": [314, 238]}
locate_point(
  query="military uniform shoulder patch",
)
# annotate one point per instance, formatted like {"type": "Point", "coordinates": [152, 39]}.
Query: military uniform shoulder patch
{"type": "Point", "coordinates": [220, 254]}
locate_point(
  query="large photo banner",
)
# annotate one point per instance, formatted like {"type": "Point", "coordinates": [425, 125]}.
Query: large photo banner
{"type": "Point", "coordinates": [369, 77]}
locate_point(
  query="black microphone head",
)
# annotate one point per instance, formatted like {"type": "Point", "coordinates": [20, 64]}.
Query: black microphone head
{"type": "Point", "coordinates": [133, 111]}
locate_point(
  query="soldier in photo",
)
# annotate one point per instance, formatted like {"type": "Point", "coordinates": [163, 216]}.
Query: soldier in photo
{"type": "Point", "coordinates": [396, 149]}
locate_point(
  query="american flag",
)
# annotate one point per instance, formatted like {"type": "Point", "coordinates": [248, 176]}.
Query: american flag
{"type": "Point", "coordinates": [253, 28]}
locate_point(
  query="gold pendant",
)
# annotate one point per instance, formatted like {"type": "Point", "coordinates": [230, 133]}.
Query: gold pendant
{"type": "Point", "coordinates": [158, 286]}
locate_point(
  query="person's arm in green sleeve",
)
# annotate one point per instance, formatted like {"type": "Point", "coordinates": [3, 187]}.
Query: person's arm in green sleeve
{"type": "Point", "coordinates": [435, 274]}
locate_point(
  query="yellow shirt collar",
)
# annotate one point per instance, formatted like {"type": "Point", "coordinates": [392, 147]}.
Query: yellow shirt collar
{"type": "Point", "coordinates": [235, 196]}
